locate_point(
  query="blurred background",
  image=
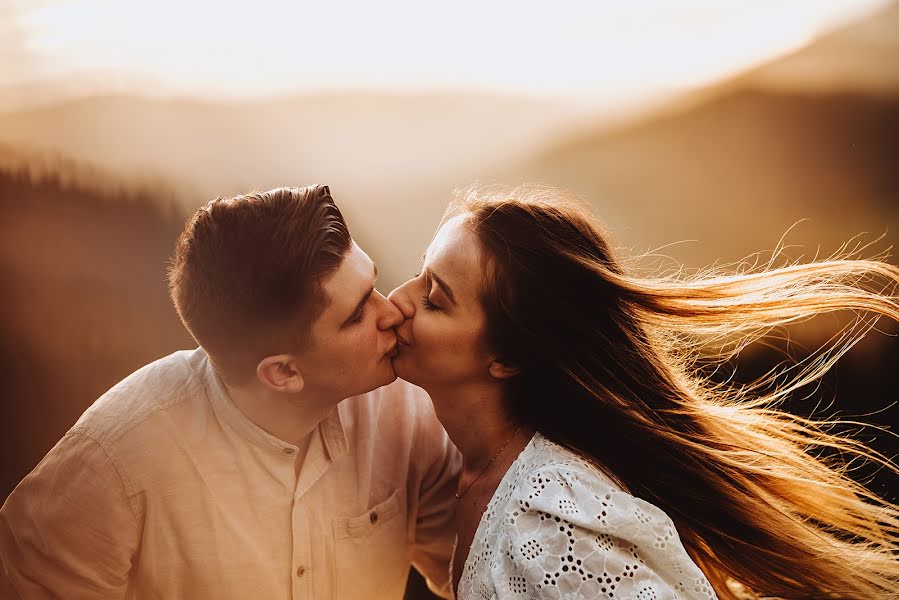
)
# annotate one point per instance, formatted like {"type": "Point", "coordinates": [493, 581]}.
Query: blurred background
{"type": "Point", "coordinates": [702, 129]}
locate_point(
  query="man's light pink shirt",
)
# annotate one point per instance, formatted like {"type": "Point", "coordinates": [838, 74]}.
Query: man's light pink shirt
{"type": "Point", "coordinates": [164, 489]}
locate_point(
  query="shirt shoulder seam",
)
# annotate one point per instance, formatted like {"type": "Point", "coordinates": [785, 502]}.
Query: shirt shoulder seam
{"type": "Point", "coordinates": [86, 430]}
{"type": "Point", "coordinates": [127, 494]}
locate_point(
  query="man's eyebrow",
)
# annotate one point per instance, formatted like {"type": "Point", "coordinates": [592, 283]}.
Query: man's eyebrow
{"type": "Point", "coordinates": [446, 289]}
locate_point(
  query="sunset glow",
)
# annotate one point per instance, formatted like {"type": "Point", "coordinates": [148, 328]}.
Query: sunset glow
{"type": "Point", "coordinates": [266, 47]}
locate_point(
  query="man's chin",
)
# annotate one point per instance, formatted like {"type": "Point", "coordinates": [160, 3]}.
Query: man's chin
{"type": "Point", "coordinates": [386, 379]}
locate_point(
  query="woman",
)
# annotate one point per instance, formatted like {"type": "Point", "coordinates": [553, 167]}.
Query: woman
{"type": "Point", "coordinates": [598, 461]}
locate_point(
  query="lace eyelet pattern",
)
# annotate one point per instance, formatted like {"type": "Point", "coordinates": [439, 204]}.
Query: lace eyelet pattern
{"type": "Point", "coordinates": [558, 528]}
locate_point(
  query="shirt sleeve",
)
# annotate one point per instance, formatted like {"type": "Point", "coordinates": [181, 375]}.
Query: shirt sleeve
{"type": "Point", "coordinates": [572, 535]}
{"type": "Point", "coordinates": [435, 531]}
{"type": "Point", "coordinates": [68, 530]}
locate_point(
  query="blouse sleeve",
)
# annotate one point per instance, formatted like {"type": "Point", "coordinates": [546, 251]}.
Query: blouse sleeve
{"type": "Point", "coordinates": [570, 534]}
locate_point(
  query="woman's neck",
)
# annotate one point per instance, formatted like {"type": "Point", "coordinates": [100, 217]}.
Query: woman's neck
{"type": "Point", "coordinates": [477, 421]}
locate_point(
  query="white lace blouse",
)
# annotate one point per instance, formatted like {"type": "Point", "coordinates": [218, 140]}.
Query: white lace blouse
{"type": "Point", "coordinates": [558, 528]}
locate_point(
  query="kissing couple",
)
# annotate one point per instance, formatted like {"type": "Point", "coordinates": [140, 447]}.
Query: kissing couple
{"type": "Point", "coordinates": [525, 417]}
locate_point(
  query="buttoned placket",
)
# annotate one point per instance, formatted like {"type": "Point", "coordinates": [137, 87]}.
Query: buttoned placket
{"type": "Point", "coordinates": [312, 467]}
{"type": "Point", "coordinates": [327, 444]}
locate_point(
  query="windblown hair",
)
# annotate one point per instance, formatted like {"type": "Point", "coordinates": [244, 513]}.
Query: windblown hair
{"type": "Point", "coordinates": [610, 367]}
{"type": "Point", "coordinates": [247, 271]}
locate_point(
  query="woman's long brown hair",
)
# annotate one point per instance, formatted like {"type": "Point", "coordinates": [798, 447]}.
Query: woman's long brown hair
{"type": "Point", "coordinates": [611, 367]}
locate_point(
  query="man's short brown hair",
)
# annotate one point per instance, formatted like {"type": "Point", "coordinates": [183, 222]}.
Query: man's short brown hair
{"type": "Point", "coordinates": [247, 271]}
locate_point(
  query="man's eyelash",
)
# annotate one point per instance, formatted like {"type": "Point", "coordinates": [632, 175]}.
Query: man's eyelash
{"type": "Point", "coordinates": [358, 319]}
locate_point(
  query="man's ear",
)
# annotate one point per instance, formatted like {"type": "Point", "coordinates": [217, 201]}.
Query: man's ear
{"type": "Point", "coordinates": [280, 373]}
{"type": "Point", "coordinates": [503, 370]}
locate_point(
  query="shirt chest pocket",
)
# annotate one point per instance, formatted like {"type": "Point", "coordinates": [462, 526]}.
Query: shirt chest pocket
{"type": "Point", "coordinates": [371, 553]}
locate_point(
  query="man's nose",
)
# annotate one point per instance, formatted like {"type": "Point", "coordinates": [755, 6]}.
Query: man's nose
{"type": "Point", "coordinates": [389, 314]}
{"type": "Point", "coordinates": [402, 300]}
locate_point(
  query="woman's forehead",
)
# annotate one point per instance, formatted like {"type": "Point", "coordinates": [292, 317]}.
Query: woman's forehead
{"type": "Point", "coordinates": [454, 254]}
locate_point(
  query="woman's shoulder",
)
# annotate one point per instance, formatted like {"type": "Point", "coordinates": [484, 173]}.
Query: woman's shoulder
{"type": "Point", "coordinates": [556, 483]}
{"type": "Point", "coordinates": [546, 463]}
{"type": "Point", "coordinates": [568, 527]}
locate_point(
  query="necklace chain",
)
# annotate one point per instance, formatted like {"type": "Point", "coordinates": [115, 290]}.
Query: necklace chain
{"type": "Point", "coordinates": [487, 466]}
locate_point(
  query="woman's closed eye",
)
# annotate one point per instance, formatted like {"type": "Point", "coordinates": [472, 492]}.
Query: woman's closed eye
{"type": "Point", "coordinates": [428, 305]}
{"type": "Point", "coordinates": [426, 302]}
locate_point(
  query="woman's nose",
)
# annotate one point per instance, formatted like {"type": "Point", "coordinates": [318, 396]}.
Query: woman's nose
{"type": "Point", "coordinates": [389, 315]}
{"type": "Point", "coordinates": [401, 298]}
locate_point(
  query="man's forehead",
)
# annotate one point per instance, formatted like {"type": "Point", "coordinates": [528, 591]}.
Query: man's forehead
{"type": "Point", "coordinates": [352, 279]}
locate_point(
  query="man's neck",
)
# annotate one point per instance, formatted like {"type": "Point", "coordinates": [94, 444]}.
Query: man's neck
{"type": "Point", "coordinates": [290, 418]}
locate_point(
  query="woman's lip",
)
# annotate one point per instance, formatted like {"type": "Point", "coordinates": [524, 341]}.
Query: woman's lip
{"type": "Point", "coordinates": [401, 341]}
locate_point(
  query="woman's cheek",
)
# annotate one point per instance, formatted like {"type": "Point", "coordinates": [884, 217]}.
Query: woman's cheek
{"type": "Point", "coordinates": [426, 333]}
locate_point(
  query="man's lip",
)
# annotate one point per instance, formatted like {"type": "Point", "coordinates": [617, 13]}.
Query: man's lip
{"type": "Point", "coordinates": [394, 350]}
{"type": "Point", "coordinates": [401, 341]}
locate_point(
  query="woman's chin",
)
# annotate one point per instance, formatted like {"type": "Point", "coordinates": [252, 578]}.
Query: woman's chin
{"type": "Point", "coordinates": [402, 369]}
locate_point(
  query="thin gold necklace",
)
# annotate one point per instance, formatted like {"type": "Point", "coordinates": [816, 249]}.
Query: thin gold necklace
{"type": "Point", "coordinates": [487, 466]}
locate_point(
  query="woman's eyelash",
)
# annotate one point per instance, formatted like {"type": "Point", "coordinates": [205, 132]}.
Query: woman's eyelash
{"type": "Point", "coordinates": [359, 318]}
{"type": "Point", "coordinates": [426, 302]}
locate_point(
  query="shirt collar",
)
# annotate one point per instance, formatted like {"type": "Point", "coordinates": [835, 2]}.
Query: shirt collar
{"type": "Point", "coordinates": [334, 435]}
{"type": "Point", "coordinates": [331, 428]}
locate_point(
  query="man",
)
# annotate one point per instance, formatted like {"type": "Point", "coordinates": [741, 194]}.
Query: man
{"type": "Point", "coordinates": [262, 464]}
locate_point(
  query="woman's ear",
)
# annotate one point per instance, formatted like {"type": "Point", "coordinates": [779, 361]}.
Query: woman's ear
{"type": "Point", "coordinates": [503, 370]}
{"type": "Point", "coordinates": [280, 373]}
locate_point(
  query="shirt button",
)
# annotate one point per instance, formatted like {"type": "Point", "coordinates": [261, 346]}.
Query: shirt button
{"type": "Point", "coordinates": [373, 517]}
{"type": "Point", "coordinates": [301, 571]}
{"type": "Point", "coordinates": [289, 451]}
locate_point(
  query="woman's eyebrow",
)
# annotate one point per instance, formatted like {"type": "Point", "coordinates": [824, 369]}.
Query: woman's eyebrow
{"type": "Point", "coordinates": [446, 289]}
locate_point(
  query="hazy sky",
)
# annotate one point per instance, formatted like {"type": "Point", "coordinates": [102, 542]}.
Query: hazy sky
{"type": "Point", "coordinates": [263, 47]}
